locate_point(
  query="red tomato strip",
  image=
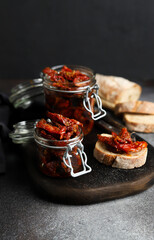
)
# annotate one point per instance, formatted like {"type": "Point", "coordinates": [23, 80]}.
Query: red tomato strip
{"type": "Point", "coordinates": [59, 128]}
{"type": "Point", "coordinates": [65, 76]}
{"type": "Point", "coordinates": [123, 142]}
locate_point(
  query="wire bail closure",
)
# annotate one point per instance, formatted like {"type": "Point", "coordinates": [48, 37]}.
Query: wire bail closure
{"type": "Point", "coordinates": [80, 151]}
{"type": "Point", "coordinates": [86, 103]}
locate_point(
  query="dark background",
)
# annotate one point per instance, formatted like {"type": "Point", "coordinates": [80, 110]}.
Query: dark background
{"type": "Point", "coordinates": [112, 37]}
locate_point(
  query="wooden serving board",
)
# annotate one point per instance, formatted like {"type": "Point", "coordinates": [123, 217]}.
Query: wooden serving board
{"type": "Point", "coordinates": [103, 183]}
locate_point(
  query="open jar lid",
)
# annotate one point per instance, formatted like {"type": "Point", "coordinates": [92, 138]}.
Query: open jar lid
{"type": "Point", "coordinates": [23, 132]}
{"type": "Point", "coordinates": [24, 94]}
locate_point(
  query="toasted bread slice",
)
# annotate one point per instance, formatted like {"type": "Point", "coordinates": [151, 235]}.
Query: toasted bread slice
{"type": "Point", "coordinates": [139, 122]}
{"type": "Point", "coordinates": [141, 107]}
{"type": "Point", "coordinates": [117, 160]}
{"type": "Point", "coordinates": [117, 89]}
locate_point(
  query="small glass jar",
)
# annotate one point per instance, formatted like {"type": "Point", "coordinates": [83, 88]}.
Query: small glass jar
{"type": "Point", "coordinates": [75, 102]}
{"type": "Point", "coordinates": [61, 158]}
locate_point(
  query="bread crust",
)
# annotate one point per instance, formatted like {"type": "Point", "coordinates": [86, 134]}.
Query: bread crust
{"type": "Point", "coordinates": [116, 160]}
{"type": "Point", "coordinates": [139, 123]}
{"type": "Point", "coordinates": [117, 89]}
{"type": "Point", "coordinates": [142, 107]}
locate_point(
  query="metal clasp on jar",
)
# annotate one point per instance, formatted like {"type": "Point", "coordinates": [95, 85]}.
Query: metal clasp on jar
{"type": "Point", "coordinates": [86, 103]}
{"type": "Point", "coordinates": [80, 151]}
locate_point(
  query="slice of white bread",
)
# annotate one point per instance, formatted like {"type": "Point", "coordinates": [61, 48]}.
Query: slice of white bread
{"type": "Point", "coordinates": [117, 89]}
{"type": "Point", "coordinates": [117, 160]}
{"type": "Point", "coordinates": [139, 122]}
{"type": "Point", "coordinates": [142, 107]}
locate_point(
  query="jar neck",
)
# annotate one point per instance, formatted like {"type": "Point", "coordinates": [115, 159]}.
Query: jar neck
{"type": "Point", "coordinates": [59, 144]}
{"type": "Point", "coordinates": [70, 87]}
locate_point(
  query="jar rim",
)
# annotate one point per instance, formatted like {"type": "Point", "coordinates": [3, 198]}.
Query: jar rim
{"type": "Point", "coordinates": [56, 143]}
{"type": "Point", "coordinates": [73, 67]}
{"type": "Point", "coordinates": [74, 88]}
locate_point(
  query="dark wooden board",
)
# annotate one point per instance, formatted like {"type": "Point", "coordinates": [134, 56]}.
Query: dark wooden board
{"type": "Point", "coordinates": [103, 183]}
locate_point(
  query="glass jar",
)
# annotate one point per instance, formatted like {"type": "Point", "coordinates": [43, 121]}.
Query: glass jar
{"type": "Point", "coordinates": [61, 158]}
{"type": "Point", "coordinates": [74, 101]}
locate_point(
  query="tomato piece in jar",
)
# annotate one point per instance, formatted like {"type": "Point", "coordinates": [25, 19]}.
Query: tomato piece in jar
{"type": "Point", "coordinates": [65, 76]}
{"type": "Point", "coordinates": [58, 128]}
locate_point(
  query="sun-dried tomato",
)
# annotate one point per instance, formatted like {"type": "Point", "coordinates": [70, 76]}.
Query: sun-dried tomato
{"type": "Point", "coordinates": [59, 128]}
{"type": "Point", "coordinates": [47, 70]}
{"type": "Point", "coordinates": [63, 120]}
{"type": "Point", "coordinates": [66, 75]}
{"type": "Point", "coordinates": [43, 124]}
{"type": "Point", "coordinates": [122, 142]}
{"type": "Point", "coordinates": [66, 69]}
